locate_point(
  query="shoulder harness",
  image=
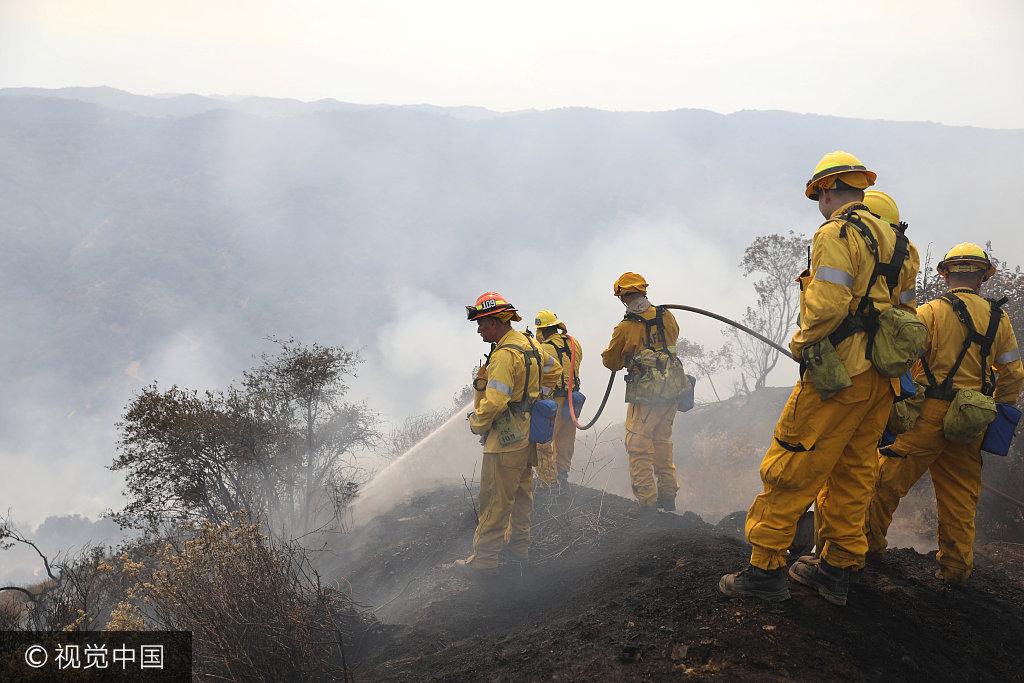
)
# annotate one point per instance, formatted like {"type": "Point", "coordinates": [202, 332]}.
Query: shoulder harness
{"type": "Point", "coordinates": [865, 317]}
{"type": "Point", "coordinates": [655, 323]}
{"type": "Point", "coordinates": [944, 390]}
{"type": "Point", "coordinates": [525, 402]}
{"type": "Point", "coordinates": [563, 352]}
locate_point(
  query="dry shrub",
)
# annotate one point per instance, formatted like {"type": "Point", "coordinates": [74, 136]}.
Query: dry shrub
{"type": "Point", "coordinates": [255, 607]}
{"type": "Point", "coordinates": [78, 596]}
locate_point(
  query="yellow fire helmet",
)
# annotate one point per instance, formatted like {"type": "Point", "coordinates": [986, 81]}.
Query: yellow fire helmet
{"type": "Point", "coordinates": [492, 303]}
{"type": "Point", "coordinates": [630, 282]}
{"type": "Point", "coordinates": [841, 170]}
{"type": "Point", "coordinates": [547, 318]}
{"type": "Point", "coordinates": [966, 257]}
{"type": "Point", "coordinates": [882, 205]}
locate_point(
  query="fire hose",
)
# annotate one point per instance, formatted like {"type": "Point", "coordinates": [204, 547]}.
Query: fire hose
{"type": "Point", "coordinates": [611, 379]}
{"type": "Point", "coordinates": [721, 318]}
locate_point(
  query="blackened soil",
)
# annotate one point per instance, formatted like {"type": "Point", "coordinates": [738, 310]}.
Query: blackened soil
{"type": "Point", "coordinates": [614, 596]}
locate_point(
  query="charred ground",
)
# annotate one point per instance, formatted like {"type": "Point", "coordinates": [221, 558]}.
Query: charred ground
{"type": "Point", "coordinates": [613, 596]}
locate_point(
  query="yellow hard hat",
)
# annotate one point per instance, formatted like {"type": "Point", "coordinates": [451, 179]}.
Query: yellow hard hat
{"type": "Point", "coordinates": [547, 318]}
{"type": "Point", "coordinates": [881, 204]}
{"type": "Point", "coordinates": [492, 303]}
{"type": "Point", "coordinates": [965, 258]}
{"type": "Point", "coordinates": [839, 169]}
{"type": "Point", "coordinates": [630, 282]}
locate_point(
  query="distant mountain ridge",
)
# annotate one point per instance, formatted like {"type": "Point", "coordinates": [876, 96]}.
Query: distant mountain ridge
{"type": "Point", "coordinates": [181, 105]}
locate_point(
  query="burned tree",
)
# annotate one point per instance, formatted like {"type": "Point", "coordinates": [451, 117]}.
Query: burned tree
{"type": "Point", "coordinates": [779, 258]}
{"type": "Point", "coordinates": [280, 446]}
{"type": "Point", "coordinates": [707, 361]}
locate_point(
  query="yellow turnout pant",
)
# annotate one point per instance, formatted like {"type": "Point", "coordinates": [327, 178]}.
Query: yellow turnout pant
{"type": "Point", "coordinates": [506, 507]}
{"type": "Point", "coordinates": [649, 445]}
{"type": "Point", "coordinates": [830, 444]}
{"type": "Point", "coordinates": [956, 476]}
{"type": "Point", "coordinates": [555, 458]}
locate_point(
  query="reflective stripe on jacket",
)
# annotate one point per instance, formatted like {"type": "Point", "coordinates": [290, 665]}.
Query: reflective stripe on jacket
{"type": "Point", "coordinates": [841, 268]}
{"type": "Point", "coordinates": [506, 377]}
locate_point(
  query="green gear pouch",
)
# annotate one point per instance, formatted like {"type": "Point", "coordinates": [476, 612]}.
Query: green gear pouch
{"type": "Point", "coordinates": [968, 416]}
{"type": "Point", "coordinates": [631, 392]}
{"type": "Point", "coordinates": [511, 427]}
{"type": "Point", "coordinates": [825, 369]}
{"type": "Point", "coordinates": [905, 413]}
{"type": "Point", "coordinates": [899, 341]}
{"type": "Point", "coordinates": [658, 378]}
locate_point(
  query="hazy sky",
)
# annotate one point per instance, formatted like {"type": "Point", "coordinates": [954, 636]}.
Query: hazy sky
{"type": "Point", "coordinates": [937, 60]}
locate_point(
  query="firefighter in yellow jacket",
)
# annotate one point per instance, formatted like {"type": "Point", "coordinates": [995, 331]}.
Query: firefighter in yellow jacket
{"type": "Point", "coordinates": [883, 206]}
{"type": "Point", "coordinates": [516, 372]}
{"type": "Point", "coordinates": [860, 269]}
{"type": "Point", "coordinates": [646, 328]}
{"type": "Point", "coordinates": [555, 458]}
{"type": "Point", "coordinates": [971, 348]}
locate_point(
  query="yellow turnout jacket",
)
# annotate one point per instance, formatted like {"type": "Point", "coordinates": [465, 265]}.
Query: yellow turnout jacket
{"type": "Point", "coordinates": [946, 336]}
{"type": "Point", "coordinates": [841, 267]}
{"type": "Point", "coordinates": [506, 381]}
{"type": "Point", "coordinates": [629, 337]}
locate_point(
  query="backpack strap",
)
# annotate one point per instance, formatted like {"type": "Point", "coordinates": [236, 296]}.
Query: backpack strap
{"type": "Point", "coordinates": [525, 402]}
{"type": "Point", "coordinates": [988, 375]}
{"type": "Point", "coordinates": [657, 322]}
{"type": "Point", "coordinates": [865, 318]}
{"type": "Point", "coordinates": [563, 352]}
{"type": "Point", "coordinates": [972, 336]}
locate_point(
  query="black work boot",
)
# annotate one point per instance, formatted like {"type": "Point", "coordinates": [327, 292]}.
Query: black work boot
{"type": "Point", "coordinates": [832, 583]}
{"type": "Point", "coordinates": [489, 577]}
{"type": "Point", "coordinates": [513, 566]}
{"type": "Point", "coordinates": [646, 511]}
{"type": "Point", "coordinates": [563, 483]}
{"type": "Point", "coordinates": [753, 582]}
{"type": "Point", "coordinates": [667, 504]}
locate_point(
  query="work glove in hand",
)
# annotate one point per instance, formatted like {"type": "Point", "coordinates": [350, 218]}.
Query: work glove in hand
{"type": "Point", "coordinates": [480, 431]}
{"type": "Point", "coordinates": [480, 378]}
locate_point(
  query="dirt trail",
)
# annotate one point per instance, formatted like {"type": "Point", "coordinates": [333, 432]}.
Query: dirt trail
{"type": "Point", "coordinates": [613, 597]}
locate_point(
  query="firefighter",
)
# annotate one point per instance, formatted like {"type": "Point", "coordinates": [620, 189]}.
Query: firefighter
{"type": "Point", "coordinates": [555, 458]}
{"type": "Point", "coordinates": [971, 364]}
{"type": "Point", "coordinates": [507, 386]}
{"type": "Point", "coordinates": [856, 319]}
{"type": "Point", "coordinates": [883, 206]}
{"type": "Point", "coordinates": [644, 343]}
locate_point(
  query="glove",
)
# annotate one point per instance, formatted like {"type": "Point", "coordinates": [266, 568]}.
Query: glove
{"type": "Point", "coordinates": [480, 378]}
{"type": "Point", "coordinates": [482, 432]}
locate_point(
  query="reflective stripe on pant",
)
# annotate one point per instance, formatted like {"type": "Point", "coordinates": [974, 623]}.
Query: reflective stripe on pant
{"type": "Point", "coordinates": [649, 445]}
{"type": "Point", "coordinates": [818, 444]}
{"type": "Point", "coordinates": [506, 507]}
{"type": "Point", "coordinates": [555, 458]}
{"type": "Point", "coordinates": [956, 477]}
